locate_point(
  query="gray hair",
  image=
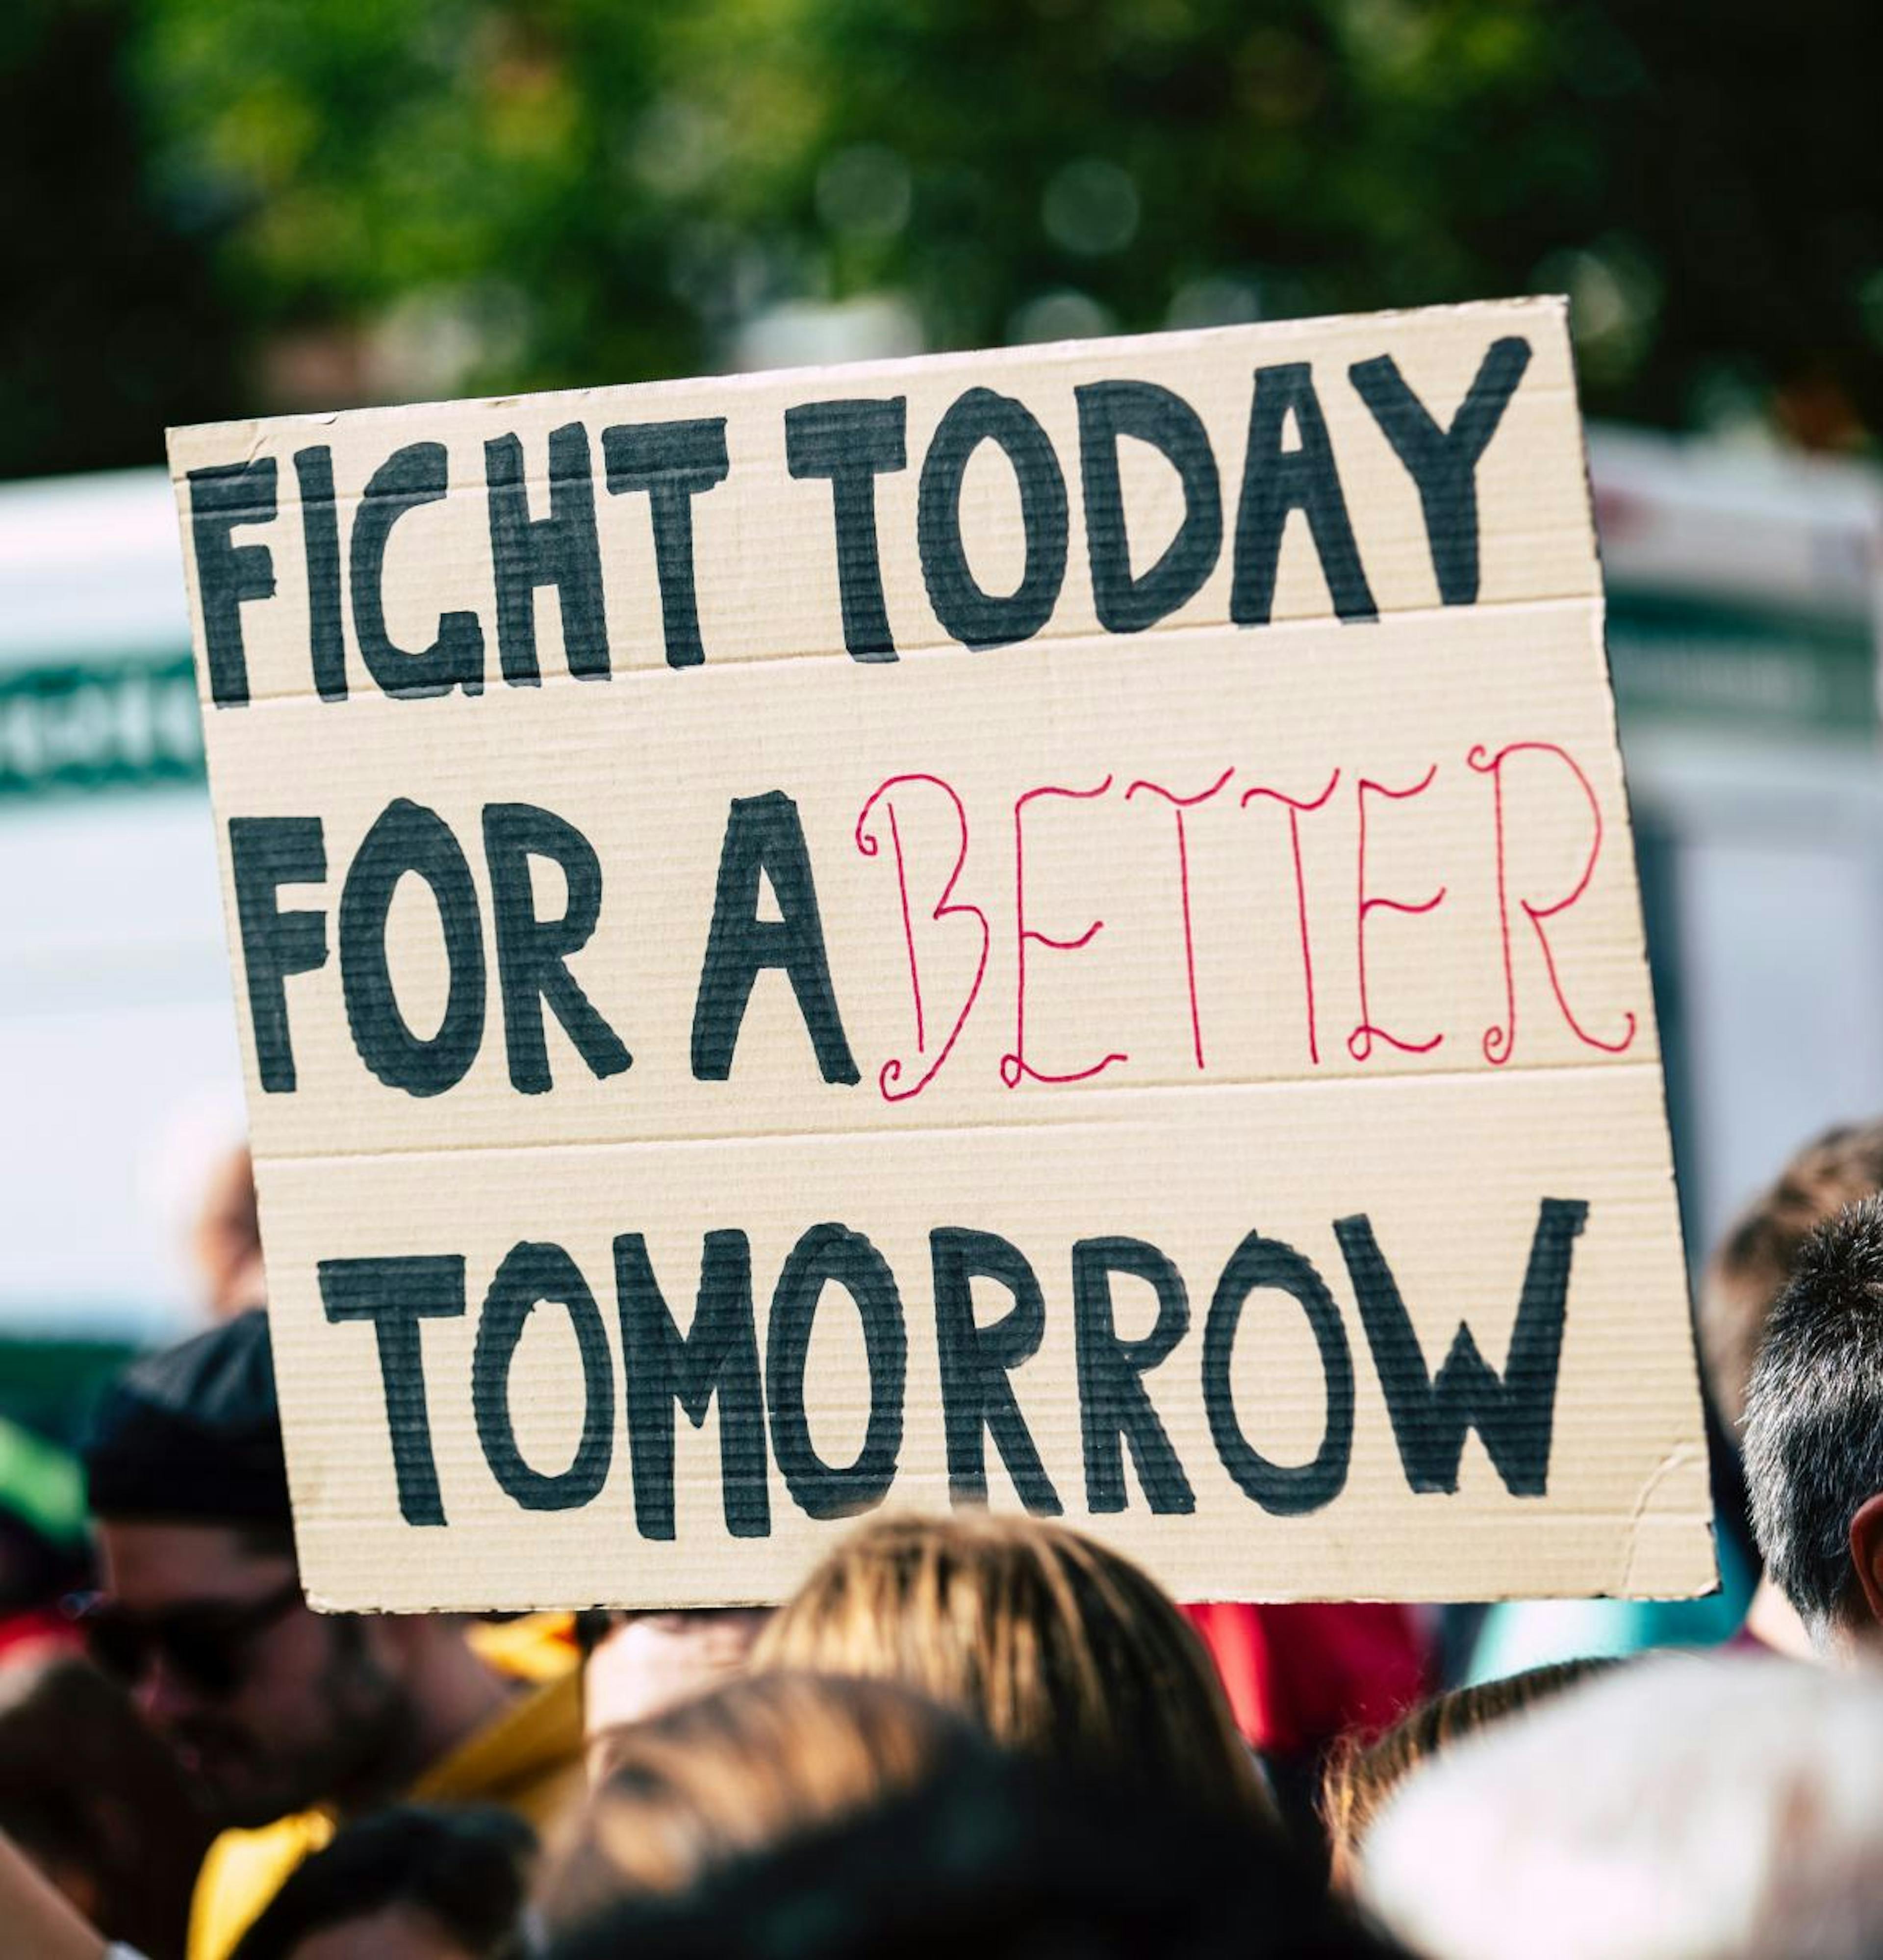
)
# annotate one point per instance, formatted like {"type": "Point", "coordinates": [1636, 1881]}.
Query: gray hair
{"type": "Point", "coordinates": [1713, 1809]}
{"type": "Point", "coordinates": [1813, 1427]}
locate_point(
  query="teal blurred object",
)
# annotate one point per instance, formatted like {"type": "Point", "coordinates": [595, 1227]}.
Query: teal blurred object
{"type": "Point", "coordinates": [49, 1386]}
{"type": "Point", "coordinates": [1521, 1633]}
{"type": "Point", "coordinates": [42, 1485]}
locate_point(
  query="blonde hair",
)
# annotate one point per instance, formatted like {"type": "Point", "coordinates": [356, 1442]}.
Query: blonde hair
{"type": "Point", "coordinates": [740, 1770]}
{"type": "Point", "coordinates": [1057, 1648]}
{"type": "Point", "coordinates": [1361, 1774]}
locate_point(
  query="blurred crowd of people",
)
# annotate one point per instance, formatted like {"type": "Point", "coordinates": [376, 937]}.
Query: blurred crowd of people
{"type": "Point", "coordinates": [970, 1734]}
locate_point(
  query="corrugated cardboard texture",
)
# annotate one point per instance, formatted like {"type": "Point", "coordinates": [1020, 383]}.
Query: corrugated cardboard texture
{"type": "Point", "coordinates": [1129, 952]}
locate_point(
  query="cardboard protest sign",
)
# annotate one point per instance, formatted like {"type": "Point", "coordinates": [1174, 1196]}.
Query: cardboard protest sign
{"type": "Point", "coordinates": [1054, 927]}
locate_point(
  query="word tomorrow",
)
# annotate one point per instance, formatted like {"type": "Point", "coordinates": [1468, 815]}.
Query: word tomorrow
{"type": "Point", "coordinates": [718, 1359]}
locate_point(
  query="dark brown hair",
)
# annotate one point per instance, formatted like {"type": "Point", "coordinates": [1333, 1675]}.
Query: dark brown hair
{"type": "Point", "coordinates": [93, 1797]}
{"type": "Point", "coordinates": [464, 1869]}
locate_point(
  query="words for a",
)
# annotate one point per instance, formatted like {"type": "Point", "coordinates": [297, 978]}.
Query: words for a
{"type": "Point", "coordinates": [765, 846]}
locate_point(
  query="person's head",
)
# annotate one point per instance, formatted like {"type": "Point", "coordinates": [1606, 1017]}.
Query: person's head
{"type": "Point", "coordinates": [737, 1771]}
{"type": "Point", "coordinates": [1753, 1263]}
{"type": "Point", "coordinates": [1362, 1774]}
{"type": "Point", "coordinates": [1717, 1808]}
{"type": "Point", "coordinates": [1813, 1434]}
{"type": "Point", "coordinates": [270, 1706]}
{"type": "Point", "coordinates": [413, 1883]}
{"type": "Point", "coordinates": [96, 1801]}
{"type": "Point", "coordinates": [1001, 1860]}
{"type": "Point", "coordinates": [1057, 1646]}
{"type": "Point", "coordinates": [226, 1238]}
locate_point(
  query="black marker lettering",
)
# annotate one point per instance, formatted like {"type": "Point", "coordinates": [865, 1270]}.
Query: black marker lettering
{"type": "Point", "coordinates": [562, 549]}
{"type": "Point", "coordinates": [825, 1255]}
{"type": "Point", "coordinates": [978, 1398]}
{"type": "Point", "coordinates": [532, 953]}
{"type": "Point", "coordinates": [408, 838]}
{"type": "Point", "coordinates": [320, 538]}
{"type": "Point", "coordinates": [975, 618]}
{"type": "Point", "coordinates": [1443, 462]}
{"type": "Point", "coordinates": [1107, 411]}
{"type": "Point", "coordinates": [851, 444]}
{"type": "Point", "coordinates": [718, 1355]}
{"type": "Point", "coordinates": [1514, 1415]}
{"type": "Point", "coordinates": [1113, 1406]}
{"type": "Point", "coordinates": [532, 1276]}
{"type": "Point", "coordinates": [1275, 481]}
{"type": "Point", "coordinates": [764, 835]}
{"type": "Point", "coordinates": [1287, 1490]}
{"type": "Point", "coordinates": [265, 854]}
{"type": "Point", "coordinates": [222, 499]}
{"type": "Point", "coordinates": [674, 462]}
{"type": "Point", "coordinates": [418, 474]}
{"type": "Point", "coordinates": [394, 1295]}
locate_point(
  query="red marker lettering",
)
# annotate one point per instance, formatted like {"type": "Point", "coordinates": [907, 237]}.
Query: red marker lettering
{"type": "Point", "coordinates": [1015, 1067]}
{"type": "Point", "coordinates": [889, 1079]}
{"type": "Point", "coordinates": [1295, 806]}
{"type": "Point", "coordinates": [1501, 1041]}
{"type": "Point", "coordinates": [1360, 1043]}
{"type": "Point", "coordinates": [1178, 804]}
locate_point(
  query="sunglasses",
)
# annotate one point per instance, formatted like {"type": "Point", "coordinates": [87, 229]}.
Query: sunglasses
{"type": "Point", "coordinates": [205, 1647]}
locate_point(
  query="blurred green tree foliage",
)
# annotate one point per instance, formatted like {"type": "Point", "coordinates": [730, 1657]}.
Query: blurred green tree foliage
{"type": "Point", "coordinates": [109, 324]}
{"type": "Point", "coordinates": [403, 197]}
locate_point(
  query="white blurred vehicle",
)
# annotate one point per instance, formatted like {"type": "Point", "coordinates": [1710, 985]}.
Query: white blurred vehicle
{"type": "Point", "coordinates": [1745, 618]}
{"type": "Point", "coordinates": [118, 1052]}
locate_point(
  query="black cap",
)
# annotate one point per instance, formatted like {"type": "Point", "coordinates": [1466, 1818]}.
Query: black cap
{"type": "Point", "coordinates": [194, 1434]}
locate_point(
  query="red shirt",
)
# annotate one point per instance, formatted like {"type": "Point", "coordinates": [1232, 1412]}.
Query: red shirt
{"type": "Point", "coordinates": [1298, 1675]}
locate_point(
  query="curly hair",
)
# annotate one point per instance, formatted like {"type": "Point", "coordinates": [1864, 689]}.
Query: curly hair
{"type": "Point", "coordinates": [1813, 1426]}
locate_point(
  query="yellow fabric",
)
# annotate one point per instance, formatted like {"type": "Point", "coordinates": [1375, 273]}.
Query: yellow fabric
{"type": "Point", "coordinates": [538, 1647]}
{"type": "Point", "coordinates": [527, 1759]}
{"type": "Point", "coordinates": [244, 1870]}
